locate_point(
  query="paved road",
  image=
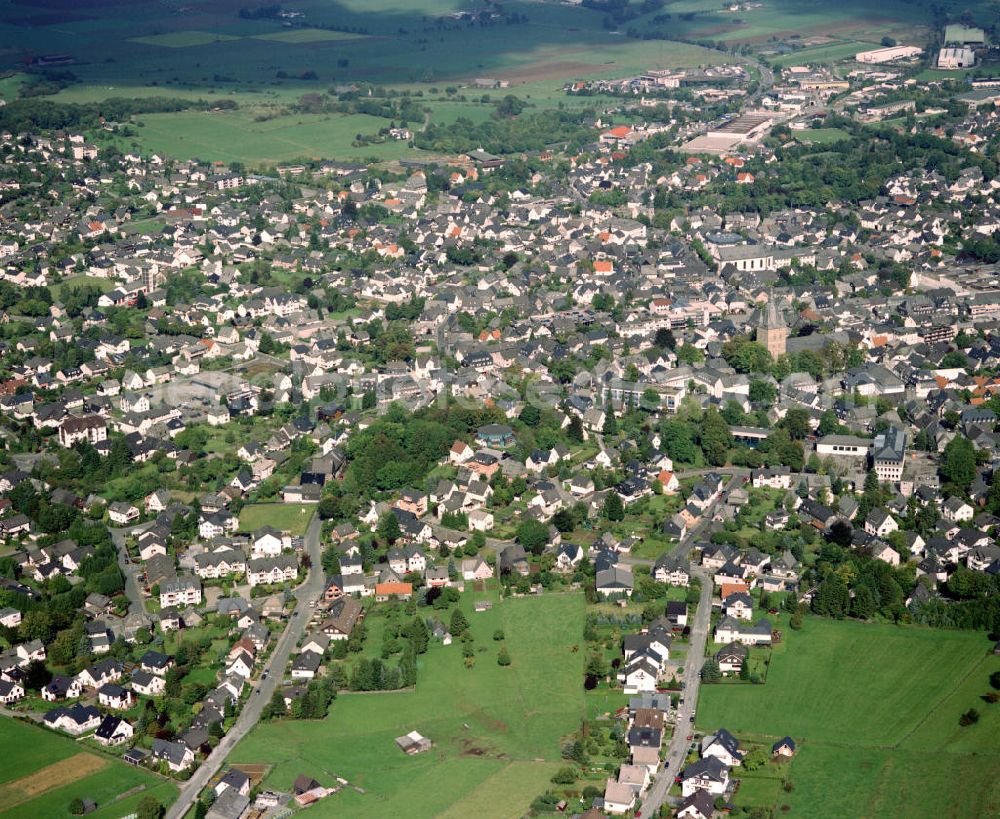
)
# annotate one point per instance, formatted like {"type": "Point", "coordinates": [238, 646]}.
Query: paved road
{"type": "Point", "coordinates": [136, 604]}
{"type": "Point", "coordinates": [766, 80]}
{"type": "Point", "coordinates": [310, 590]}
{"type": "Point", "coordinates": [677, 751]}
{"type": "Point", "coordinates": [35, 716]}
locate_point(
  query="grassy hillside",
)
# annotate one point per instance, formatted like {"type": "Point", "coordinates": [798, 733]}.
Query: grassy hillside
{"type": "Point", "coordinates": [875, 709]}
{"type": "Point", "coordinates": [496, 731]}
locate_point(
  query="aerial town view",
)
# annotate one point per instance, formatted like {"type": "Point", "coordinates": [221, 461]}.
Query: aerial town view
{"type": "Point", "coordinates": [499, 409]}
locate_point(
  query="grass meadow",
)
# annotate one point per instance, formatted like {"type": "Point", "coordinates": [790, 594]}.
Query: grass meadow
{"type": "Point", "coordinates": [496, 730]}
{"type": "Point", "coordinates": [821, 136]}
{"type": "Point", "coordinates": [875, 711]}
{"type": "Point", "coordinates": [287, 517]}
{"type": "Point", "coordinates": [27, 793]}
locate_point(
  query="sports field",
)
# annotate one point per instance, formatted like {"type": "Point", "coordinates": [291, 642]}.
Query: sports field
{"type": "Point", "coordinates": [875, 711]}
{"type": "Point", "coordinates": [496, 730]}
{"type": "Point", "coordinates": [48, 771]}
{"type": "Point", "coordinates": [287, 517]}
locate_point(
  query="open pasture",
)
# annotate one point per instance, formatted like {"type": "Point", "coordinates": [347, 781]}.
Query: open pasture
{"type": "Point", "coordinates": [496, 731]}
{"type": "Point", "coordinates": [874, 709]}
{"type": "Point", "coordinates": [48, 771]}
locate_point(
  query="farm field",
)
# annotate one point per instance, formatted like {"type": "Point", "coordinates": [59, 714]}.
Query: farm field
{"type": "Point", "coordinates": [496, 731]}
{"type": "Point", "coordinates": [802, 18]}
{"type": "Point", "coordinates": [49, 771]}
{"type": "Point", "coordinates": [288, 517]}
{"type": "Point", "coordinates": [183, 39]}
{"type": "Point", "coordinates": [828, 53]}
{"type": "Point", "coordinates": [834, 781]}
{"type": "Point", "coordinates": [307, 35]}
{"type": "Point", "coordinates": [235, 136]}
{"type": "Point", "coordinates": [215, 45]}
{"type": "Point", "coordinates": [260, 132]}
{"type": "Point", "coordinates": [213, 52]}
{"type": "Point", "coordinates": [875, 711]}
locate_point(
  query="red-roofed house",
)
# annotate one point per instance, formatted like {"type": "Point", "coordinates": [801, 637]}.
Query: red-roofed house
{"type": "Point", "coordinates": [615, 135]}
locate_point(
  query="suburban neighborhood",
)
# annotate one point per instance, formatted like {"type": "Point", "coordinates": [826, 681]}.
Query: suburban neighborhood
{"type": "Point", "coordinates": [651, 473]}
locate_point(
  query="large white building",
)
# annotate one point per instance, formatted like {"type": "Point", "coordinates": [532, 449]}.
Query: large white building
{"type": "Point", "coordinates": [180, 591]}
{"type": "Point", "coordinates": [888, 55]}
{"type": "Point", "coordinates": [952, 58]}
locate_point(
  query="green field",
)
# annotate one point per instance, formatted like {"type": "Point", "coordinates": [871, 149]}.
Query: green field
{"type": "Point", "coordinates": [829, 53]}
{"type": "Point", "coordinates": [875, 710]}
{"type": "Point", "coordinates": [77, 281]}
{"type": "Point", "coordinates": [24, 792]}
{"type": "Point", "coordinates": [288, 517]}
{"type": "Point", "coordinates": [183, 39]}
{"type": "Point", "coordinates": [496, 731]}
{"type": "Point", "coordinates": [306, 35]}
{"type": "Point", "coordinates": [821, 136]}
{"type": "Point", "coordinates": [782, 19]}
{"type": "Point", "coordinates": [236, 136]}
{"type": "Point", "coordinates": [211, 51]}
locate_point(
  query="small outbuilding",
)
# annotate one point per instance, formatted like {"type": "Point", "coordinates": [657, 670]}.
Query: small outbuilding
{"type": "Point", "coordinates": [413, 743]}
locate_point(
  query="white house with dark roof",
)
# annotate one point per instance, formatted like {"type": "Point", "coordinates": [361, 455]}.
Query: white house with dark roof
{"type": "Point", "coordinates": [113, 730]}
{"type": "Point", "coordinates": [709, 774]}
{"type": "Point", "coordinates": [730, 630]}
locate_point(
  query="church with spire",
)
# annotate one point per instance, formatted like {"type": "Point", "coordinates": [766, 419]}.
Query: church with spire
{"type": "Point", "coordinates": [772, 331]}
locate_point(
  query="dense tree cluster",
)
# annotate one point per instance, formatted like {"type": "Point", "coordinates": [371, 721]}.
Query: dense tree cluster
{"type": "Point", "coordinates": [400, 448]}
{"type": "Point", "coordinates": [505, 135]}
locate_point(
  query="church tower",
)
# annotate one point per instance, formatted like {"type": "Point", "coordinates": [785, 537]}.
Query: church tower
{"type": "Point", "coordinates": [771, 328]}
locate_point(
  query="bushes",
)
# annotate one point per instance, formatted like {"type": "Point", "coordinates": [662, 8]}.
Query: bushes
{"type": "Point", "coordinates": [564, 776]}
{"type": "Point", "coordinates": [970, 717]}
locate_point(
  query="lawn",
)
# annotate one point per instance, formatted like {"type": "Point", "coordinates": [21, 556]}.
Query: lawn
{"type": "Point", "coordinates": [48, 771]}
{"type": "Point", "coordinates": [496, 731]}
{"type": "Point", "coordinates": [875, 710]}
{"type": "Point", "coordinates": [761, 788]}
{"type": "Point", "coordinates": [288, 517]}
{"type": "Point", "coordinates": [76, 281]}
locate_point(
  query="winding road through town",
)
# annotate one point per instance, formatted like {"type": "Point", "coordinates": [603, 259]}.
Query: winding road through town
{"type": "Point", "coordinates": [271, 676]}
